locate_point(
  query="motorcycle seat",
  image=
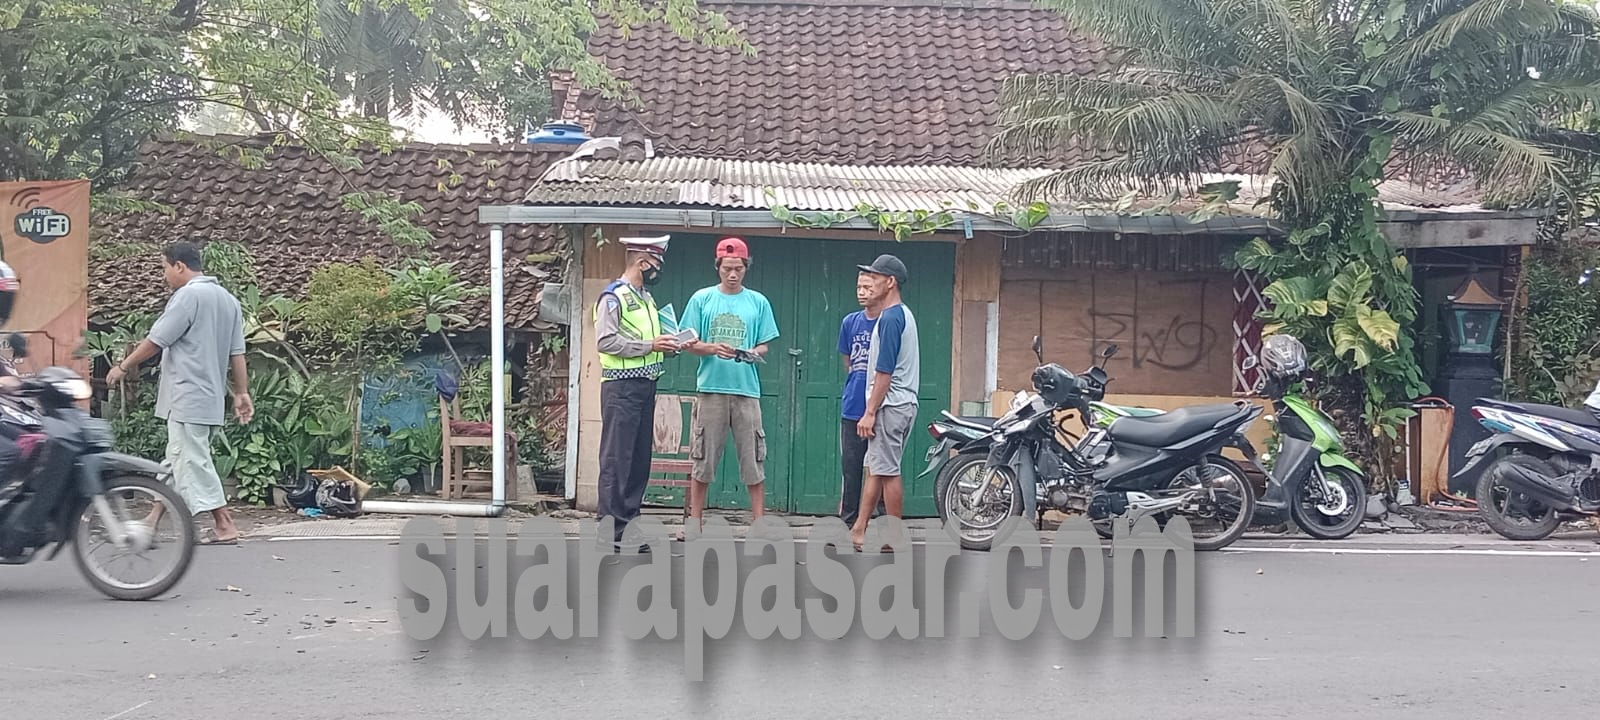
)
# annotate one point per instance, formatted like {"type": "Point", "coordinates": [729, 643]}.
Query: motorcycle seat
{"type": "Point", "coordinates": [1169, 428]}
{"type": "Point", "coordinates": [1581, 418]}
{"type": "Point", "coordinates": [987, 422]}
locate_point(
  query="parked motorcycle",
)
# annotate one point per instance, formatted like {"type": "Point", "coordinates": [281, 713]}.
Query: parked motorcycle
{"type": "Point", "coordinates": [971, 438]}
{"type": "Point", "coordinates": [1311, 482]}
{"type": "Point", "coordinates": [1129, 468]}
{"type": "Point", "coordinates": [1545, 467]}
{"type": "Point", "coordinates": [68, 454]}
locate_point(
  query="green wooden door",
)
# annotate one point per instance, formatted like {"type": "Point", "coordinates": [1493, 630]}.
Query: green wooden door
{"type": "Point", "coordinates": [811, 284]}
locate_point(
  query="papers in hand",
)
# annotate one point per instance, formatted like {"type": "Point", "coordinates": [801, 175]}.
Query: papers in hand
{"type": "Point", "coordinates": [669, 319]}
{"type": "Point", "coordinates": [669, 326]}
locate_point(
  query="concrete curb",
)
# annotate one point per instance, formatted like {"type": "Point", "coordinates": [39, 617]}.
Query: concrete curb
{"type": "Point", "coordinates": [390, 528]}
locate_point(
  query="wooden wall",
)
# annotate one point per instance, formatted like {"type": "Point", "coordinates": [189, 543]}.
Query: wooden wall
{"type": "Point", "coordinates": [1165, 302]}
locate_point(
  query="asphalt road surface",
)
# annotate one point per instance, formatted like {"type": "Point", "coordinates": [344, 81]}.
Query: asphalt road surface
{"type": "Point", "coordinates": [311, 629]}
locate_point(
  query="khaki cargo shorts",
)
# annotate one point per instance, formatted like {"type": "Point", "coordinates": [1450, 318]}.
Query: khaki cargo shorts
{"type": "Point", "coordinates": [716, 416]}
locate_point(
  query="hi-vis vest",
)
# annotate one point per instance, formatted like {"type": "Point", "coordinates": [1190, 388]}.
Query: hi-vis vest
{"type": "Point", "coordinates": [639, 320]}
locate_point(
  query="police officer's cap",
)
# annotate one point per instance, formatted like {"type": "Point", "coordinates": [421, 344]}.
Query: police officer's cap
{"type": "Point", "coordinates": [656, 246]}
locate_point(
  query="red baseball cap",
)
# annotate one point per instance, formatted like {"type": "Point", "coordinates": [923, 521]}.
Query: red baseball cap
{"type": "Point", "coordinates": [732, 247]}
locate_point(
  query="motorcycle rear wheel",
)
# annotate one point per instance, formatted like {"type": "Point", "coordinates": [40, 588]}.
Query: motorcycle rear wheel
{"type": "Point", "coordinates": [1537, 528]}
{"type": "Point", "coordinates": [1247, 505]}
{"type": "Point", "coordinates": [175, 507]}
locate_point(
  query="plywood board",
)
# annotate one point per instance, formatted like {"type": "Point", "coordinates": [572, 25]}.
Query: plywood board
{"type": "Point", "coordinates": [1173, 329]}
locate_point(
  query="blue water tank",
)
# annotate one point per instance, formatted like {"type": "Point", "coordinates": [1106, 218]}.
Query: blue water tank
{"type": "Point", "coordinates": [560, 133]}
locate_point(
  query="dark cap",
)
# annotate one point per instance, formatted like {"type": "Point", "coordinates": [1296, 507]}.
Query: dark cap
{"type": "Point", "coordinates": [887, 265]}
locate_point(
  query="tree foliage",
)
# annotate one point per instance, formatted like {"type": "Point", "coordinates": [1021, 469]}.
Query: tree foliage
{"type": "Point", "coordinates": [1330, 97]}
{"type": "Point", "coordinates": [479, 61]}
{"type": "Point", "coordinates": [85, 81]}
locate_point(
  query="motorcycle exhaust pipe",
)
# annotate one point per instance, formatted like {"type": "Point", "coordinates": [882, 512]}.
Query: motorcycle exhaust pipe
{"type": "Point", "coordinates": [1537, 486]}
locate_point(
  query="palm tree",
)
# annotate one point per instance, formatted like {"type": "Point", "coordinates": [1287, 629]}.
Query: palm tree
{"type": "Point", "coordinates": [1329, 97]}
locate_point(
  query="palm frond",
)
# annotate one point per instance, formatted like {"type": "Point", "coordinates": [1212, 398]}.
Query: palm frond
{"type": "Point", "coordinates": [1045, 112]}
{"type": "Point", "coordinates": [1476, 28]}
{"type": "Point", "coordinates": [1179, 29]}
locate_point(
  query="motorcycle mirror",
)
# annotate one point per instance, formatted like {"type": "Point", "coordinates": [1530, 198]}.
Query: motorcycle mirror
{"type": "Point", "coordinates": [1109, 351]}
{"type": "Point", "coordinates": [19, 345]}
{"type": "Point", "coordinates": [1038, 348]}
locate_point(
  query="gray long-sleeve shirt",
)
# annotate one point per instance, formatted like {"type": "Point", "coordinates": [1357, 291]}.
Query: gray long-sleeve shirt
{"type": "Point", "coordinates": [610, 337]}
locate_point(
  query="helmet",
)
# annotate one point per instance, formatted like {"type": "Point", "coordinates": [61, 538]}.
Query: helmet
{"type": "Point", "coordinates": [732, 247]}
{"type": "Point", "coordinates": [1057, 386]}
{"type": "Point", "coordinates": [1282, 356]}
{"type": "Point", "coordinates": [8, 292]}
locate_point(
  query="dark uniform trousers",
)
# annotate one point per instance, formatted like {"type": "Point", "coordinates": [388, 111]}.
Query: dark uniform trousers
{"type": "Point", "coordinates": [627, 438]}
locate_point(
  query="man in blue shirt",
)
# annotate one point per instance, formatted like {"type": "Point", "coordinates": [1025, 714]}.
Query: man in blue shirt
{"type": "Point", "coordinates": [735, 325]}
{"type": "Point", "coordinates": [893, 380]}
{"type": "Point", "coordinates": [855, 338]}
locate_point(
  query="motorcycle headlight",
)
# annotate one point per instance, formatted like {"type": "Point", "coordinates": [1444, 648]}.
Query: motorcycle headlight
{"type": "Point", "coordinates": [75, 388]}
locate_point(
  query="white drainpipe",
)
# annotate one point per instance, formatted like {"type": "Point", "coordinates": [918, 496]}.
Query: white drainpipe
{"type": "Point", "coordinates": [497, 386]}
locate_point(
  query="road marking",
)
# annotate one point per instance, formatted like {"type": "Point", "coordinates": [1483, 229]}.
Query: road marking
{"type": "Point", "coordinates": [13, 666]}
{"type": "Point", "coordinates": [1414, 551]}
{"type": "Point", "coordinates": [129, 710]}
{"type": "Point", "coordinates": [1332, 550]}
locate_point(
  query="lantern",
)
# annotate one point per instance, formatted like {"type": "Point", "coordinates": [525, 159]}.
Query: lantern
{"type": "Point", "coordinates": [1472, 315]}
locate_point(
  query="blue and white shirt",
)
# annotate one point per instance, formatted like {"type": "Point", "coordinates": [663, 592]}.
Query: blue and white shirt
{"type": "Point", "coordinates": [894, 350]}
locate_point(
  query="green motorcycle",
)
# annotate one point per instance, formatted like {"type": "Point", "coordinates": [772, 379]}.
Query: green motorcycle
{"type": "Point", "coordinates": [1312, 482]}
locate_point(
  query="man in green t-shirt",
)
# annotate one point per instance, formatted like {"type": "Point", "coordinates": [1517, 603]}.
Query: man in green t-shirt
{"type": "Point", "coordinates": [734, 324]}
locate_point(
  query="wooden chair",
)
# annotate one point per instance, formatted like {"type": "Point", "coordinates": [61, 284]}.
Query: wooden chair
{"type": "Point", "coordinates": [461, 434]}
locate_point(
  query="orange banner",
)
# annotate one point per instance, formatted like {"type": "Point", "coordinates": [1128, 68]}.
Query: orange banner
{"type": "Point", "coordinates": [44, 237]}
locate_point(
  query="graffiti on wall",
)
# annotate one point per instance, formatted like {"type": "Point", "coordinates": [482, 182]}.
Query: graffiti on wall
{"type": "Point", "coordinates": [1178, 343]}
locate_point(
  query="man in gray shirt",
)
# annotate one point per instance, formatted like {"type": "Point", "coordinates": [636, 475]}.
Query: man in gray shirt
{"type": "Point", "coordinates": [199, 335]}
{"type": "Point", "coordinates": [894, 379]}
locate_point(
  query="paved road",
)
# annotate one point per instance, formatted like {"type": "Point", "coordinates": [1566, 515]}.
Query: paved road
{"type": "Point", "coordinates": [310, 629]}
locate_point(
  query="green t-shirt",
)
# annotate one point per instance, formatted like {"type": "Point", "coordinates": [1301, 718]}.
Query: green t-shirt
{"type": "Point", "coordinates": [742, 321]}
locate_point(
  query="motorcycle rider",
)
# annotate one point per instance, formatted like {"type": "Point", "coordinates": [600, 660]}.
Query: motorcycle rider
{"type": "Point", "coordinates": [29, 523]}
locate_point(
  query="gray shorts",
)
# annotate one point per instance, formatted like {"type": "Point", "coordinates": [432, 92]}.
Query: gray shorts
{"type": "Point", "coordinates": [888, 443]}
{"type": "Point", "coordinates": [715, 417]}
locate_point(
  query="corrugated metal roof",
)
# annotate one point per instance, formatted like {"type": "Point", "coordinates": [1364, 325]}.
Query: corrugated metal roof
{"type": "Point", "coordinates": [739, 184]}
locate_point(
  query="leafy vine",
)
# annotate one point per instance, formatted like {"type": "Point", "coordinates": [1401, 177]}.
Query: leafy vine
{"type": "Point", "coordinates": [903, 224]}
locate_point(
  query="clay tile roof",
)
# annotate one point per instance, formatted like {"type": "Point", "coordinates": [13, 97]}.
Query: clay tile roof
{"type": "Point", "coordinates": [290, 215]}
{"type": "Point", "coordinates": [835, 81]}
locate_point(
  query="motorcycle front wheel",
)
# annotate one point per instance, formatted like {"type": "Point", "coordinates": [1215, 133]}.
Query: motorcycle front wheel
{"type": "Point", "coordinates": [132, 514]}
{"type": "Point", "coordinates": [977, 523]}
{"type": "Point", "coordinates": [1336, 517]}
{"type": "Point", "coordinates": [967, 466]}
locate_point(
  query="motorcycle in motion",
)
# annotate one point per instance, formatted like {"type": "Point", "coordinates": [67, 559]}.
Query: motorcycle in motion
{"type": "Point", "coordinates": [1311, 483]}
{"type": "Point", "coordinates": [1157, 464]}
{"type": "Point", "coordinates": [68, 475]}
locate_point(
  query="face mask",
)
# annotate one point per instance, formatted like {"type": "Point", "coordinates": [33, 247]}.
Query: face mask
{"type": "Point", "coordinates": [652, 276]}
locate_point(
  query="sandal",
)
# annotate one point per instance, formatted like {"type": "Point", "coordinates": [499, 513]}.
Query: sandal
{"type": "Point", "coordinates": [212, 539]}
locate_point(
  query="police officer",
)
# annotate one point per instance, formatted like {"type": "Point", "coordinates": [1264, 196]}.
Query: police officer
{"type": "Point", "coordinates": [632, 348]}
